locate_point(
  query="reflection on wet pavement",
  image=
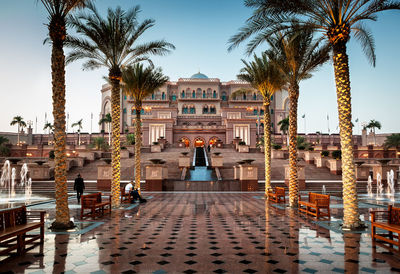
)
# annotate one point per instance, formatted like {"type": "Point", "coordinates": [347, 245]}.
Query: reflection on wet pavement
{"type": "Point", "coordinates": [207, 233]}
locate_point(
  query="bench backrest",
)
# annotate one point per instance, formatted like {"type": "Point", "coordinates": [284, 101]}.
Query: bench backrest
{"type": "Point", "coordinates": [313, 197]}
{"type": "Point", "coordinates": [12, 217]}
{"type": "Point", "coordinates": [96, 196]}
{"type": "Point", "coordinates": [280, 190]}
{"type": "Point", "coordinates": [394, 215]}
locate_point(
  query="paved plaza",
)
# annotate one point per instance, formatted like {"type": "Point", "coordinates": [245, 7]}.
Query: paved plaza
{"type": "Point", "coordinates": [206, 233]}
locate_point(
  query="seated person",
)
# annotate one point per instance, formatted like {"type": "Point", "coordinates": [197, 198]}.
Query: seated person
{"type": "Point", "coordinates": [134, 193]}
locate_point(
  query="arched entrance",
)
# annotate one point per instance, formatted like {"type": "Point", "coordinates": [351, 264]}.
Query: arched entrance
{"type": "Point", "coordinates": [199, 142]}
{"type": "Point", "coordinates": [185, 141]}
{"type": "Point", "coordinates": [213, 141]}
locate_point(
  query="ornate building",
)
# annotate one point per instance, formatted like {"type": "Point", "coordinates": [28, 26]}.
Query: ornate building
{"type": "Point", "coordinates": [200, 110]}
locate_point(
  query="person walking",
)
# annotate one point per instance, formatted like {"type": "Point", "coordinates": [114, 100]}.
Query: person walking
{"type": "Point", "coordinates": [79, 186]}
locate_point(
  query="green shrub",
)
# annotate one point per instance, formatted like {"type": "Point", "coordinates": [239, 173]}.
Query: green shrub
{"type": "Point", "coordinates": [5, 151]}
{"type": "Point", "coordinates": [276, 146]}
{"type": "Point", "coordinates": [241, 143]}
{"type": "Point", "coordinates": [130, 139]}
{"type": "Point", "coordinates": [324, 153]}
{"type": "Point", "coordinates": [301, 147]}
{"type": "Point", "coordinates": [337, 154]}
{"type": "Point", "coordinates": [98, 143]}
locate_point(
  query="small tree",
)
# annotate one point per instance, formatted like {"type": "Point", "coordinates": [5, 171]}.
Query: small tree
{"type": "Point", "coordinates": [79, 125]}
{"type": "Point", "coordinates": [19, 121]}
{"type": "Point", "coordinates": [372, 125]}
{"type": "Point", "coordinates": [284, 127]}
{"type": "Point", "coordinates": [392, 141]}
{"type": "Point", "coordinates": [107, 119]}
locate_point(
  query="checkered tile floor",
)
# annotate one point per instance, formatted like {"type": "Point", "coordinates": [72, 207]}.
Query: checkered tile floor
{"type": "Point", "coordinates": [207, 233]}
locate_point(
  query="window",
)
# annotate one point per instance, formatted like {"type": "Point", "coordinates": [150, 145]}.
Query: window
{"type": "Point", "coordinates": [152, 96]}
{"type": "Point", "coordinates": [214, 94]}
{"type": "Point", "coordinates": [173, 97]}
{"type": "Point", "coordinates": [163, 96]}
{"type": "Point", "coordinates": [204, 94]}
{"type": "Point", "coordinates": [183, 94]}
{"type": "Point", "coordinates": [254, 96]}
{"type": "Point", "coordinates": [192, 110]}
{"type": "Point", "coordinates": [255, 111]}
{"type": "Point", "coordinates": [261, 112]}
{"type": "Point", "coordinates": [244, 96]}
{"type": "Point", "coordinates": [212, 110]}
{"type": "Point", "coordinates": [205, 110]}
{"type": "Point", "coordinates": [272, 97]}
{"type": "Point", "coordinates": [223, 97]}
{"type": "Point", "coordinates": [272, 111]}
{"type": "Point", "coordinates": [142, 111]}
{"type": "Point", "coordinates": [124, 110]}
{"type": "Point", "coordinates": [185, 110]}
{"type": "Point", "coordinates": [124, 97]}
{"type": "Point", "coordinates": [194, 94]}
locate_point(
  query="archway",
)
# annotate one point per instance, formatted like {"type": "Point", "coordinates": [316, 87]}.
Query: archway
{"type": "Point", "coordinates": [213, 141]}
{"type": "Point", "coordinates": [185, 141]}
{"type": "Point", "coordinates": [199, 142]}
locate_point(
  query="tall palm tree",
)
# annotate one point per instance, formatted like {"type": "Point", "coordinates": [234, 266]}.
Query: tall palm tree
{"type": "Point", "coordinates": [19, 121]}
{"type": "Point", "coordinates": [49, 126]}
{"type": "Point", "coordinates": [297, 55]}
{"type": "Point", "coordinates": [57, 11]}
{"type": "Point", "coordinates": [79, 125]}
{"type": "Point", "coordinates": [336, 21]}
{"type": "Point", "coordinates": [112, 43]}
{"type": "Point", "coordinates": [264, 76]}
{"type": "Point", "coordinates": [140, 82]}
{"type": "Point", "coordinates": [107, 119]}
{"type": "Point", "coordinates": [372, 125]}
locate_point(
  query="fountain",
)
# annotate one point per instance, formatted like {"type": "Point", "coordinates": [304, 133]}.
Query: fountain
{"type": "Point", "coordinates": [369, 186]}
{"type": "Point", "coordinates": [379, 187]}
{"type": "Point", "coordinates": [390, 188]}
{"type": "Point", "coordinates": [7, 180]}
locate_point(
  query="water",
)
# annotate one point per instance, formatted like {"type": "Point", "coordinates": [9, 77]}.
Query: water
{"type": "Point", "coordinates": [13, 194]}
{"type": "Point", "coordinates": [201, 173]}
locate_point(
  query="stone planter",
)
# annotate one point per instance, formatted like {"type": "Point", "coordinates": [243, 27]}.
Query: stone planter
{"type": "Point", "coordinates": [310, 155]}
{"type": "Point", "coordinates": [162, 142]}
{"type": "Point", "coordinates": [335, 166]}
{"type": "Point", "coordinates": [131, 148]}
{"type": "Point", "coordinates": [76, 161]}
{"type": "Point", "coordinates": [155, 175]}
{"type": "Point", "coordinates": [277, 154]}
{"type": "Point", "coordinates": [236, 141]}
{"type": "Point", "coordinates": [155, 148]}
{"type": "Point", "coordinates": [124, 154]}
{"type": "Point", "coordinates": [104, 176]}
{"type": "Point", "coordinates": [248, 177]}
{"type": "Point", "coordinates": [88, 155]}
{"type": "Point", "coordinates": [320, 161]}
{"type": "Point", "coordinates": [301, 175]}
{"type": "Point", "coordinates": [243, 148]}
{"type": "Point", "coordinates": [184, 161]}
{"type": "Point", "coordinates": [362, 172]}
{"type": "Point", "coordinates": [217, 161]}
{"type": "Point", "coordinates": [39, 172]}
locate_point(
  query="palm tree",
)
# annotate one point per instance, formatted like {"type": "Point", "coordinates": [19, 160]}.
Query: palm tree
{"type": "Point", "coordinates": [336, 21]}
{"type": "Point", "coordinates": [58, 10]}
{"type": "Point", "coordinates": [79, 125]}
{"type": "Point", "coordinates": [112, 42]}
{"type": "Point", "coordinates": [392, 141]}
{"type": "Point", "coordinates": [372, 125]}
{"type": "Point", "coordinates": [19, 121]}
{"type": "Point", "coordinates": [284, 127]}
{"type": "Point", "coordinates": [107, 119]}
{"type": "Point", "coordinates": [49, 126]}
{"type": "Point", "coordinates": [140, 82]}
{"type": "Point", "coordinates": [264, 76]}
{"type": "Point", "coordinates": [297, 55]}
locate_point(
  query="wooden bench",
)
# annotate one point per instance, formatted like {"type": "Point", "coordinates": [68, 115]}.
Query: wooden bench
{"type": "Point", "coordinates": [126, 197]}
{"type": "Point", "coordinates": [392, 225]}
{"type": "Point", "coordinates": [277, 195]}
{"type": "Point", "coordinates": [95, 205]}
{"type": "Point", "coordinates": [315, 203]}
{"type": "Point", "coordinates": [14, 224]}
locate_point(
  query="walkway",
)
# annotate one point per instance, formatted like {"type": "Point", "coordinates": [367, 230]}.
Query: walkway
{"type": "Point", "coordinates": [207, 233]}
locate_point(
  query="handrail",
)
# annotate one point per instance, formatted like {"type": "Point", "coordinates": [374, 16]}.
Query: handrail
{"type": "Point", "coordinates": [205, 156]}
{"type": "Point", "coordinates": [194, 158]}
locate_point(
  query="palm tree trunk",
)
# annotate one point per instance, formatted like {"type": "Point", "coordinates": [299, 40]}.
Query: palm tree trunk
{"type": "Point", "coordinates": [115, 79]}
{"type": "Point", "coordinates": [267, 144]}
{"type": "Point", "coordinates": [57, 34]}
{"type": "Point", "coordinates": [18, 134]}
{"type": "Point", "coordinates": [138, 144]}
{"type": "Point", "coordinates": [350, 204]}
{"type": "Point", "coordinates": [293, 179]}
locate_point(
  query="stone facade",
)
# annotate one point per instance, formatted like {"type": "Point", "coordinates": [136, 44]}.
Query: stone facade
{"type": "Point", "coordinates": [198, 111]}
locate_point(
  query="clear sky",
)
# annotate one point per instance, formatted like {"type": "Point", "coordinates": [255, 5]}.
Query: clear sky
{"type": "Point", "coordinates": [200, 31]}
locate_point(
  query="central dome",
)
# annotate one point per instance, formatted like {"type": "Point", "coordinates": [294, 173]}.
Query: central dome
{"type": "Point", "coordinates": [199, 76]}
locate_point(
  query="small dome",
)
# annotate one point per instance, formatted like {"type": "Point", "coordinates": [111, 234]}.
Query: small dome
{"type": "Point", "coordinates": [199, 76]}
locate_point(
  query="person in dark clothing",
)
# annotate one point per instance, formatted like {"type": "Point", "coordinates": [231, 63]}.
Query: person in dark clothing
{"type": "Point", "coordinates": [136, 196]}
{"type": "Point", "coordinates": [208, 148]}
{"type": "Point", "coordinates": [79, 186]}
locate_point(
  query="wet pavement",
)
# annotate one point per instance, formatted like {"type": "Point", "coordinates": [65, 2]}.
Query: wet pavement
{"type": "Point", "coordinates": [207, 233]}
